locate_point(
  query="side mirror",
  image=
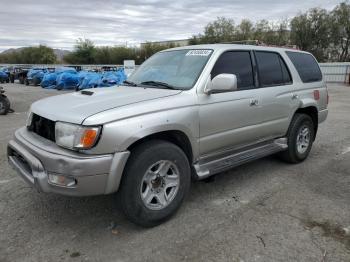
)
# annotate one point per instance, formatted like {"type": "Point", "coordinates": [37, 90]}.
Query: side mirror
{"type": "Point", "coordinates": [222, 83]}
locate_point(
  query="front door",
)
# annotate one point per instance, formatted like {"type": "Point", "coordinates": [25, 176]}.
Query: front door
{"type": "Point", "coordinates": [229, 120]}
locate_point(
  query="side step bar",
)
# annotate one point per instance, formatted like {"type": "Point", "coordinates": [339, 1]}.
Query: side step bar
{"type": "Point", "coordinates": [205, 169]}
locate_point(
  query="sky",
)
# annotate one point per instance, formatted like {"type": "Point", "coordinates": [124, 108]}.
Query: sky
{"type": "Point", "coordinates": [60, 23]}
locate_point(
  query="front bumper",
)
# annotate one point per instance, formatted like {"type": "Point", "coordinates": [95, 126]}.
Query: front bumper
{"type": "Point", "coordinates": [34, 158]}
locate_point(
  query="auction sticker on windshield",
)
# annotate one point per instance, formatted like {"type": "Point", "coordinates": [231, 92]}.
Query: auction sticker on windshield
{"type": "Point", "coordinates": [199, 53]}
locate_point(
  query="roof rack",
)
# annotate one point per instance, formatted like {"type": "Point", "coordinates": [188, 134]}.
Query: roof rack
{"type": "Point", "coordinates": [259, 43]}
{"type": "Point", "coordinates": [243, 42]}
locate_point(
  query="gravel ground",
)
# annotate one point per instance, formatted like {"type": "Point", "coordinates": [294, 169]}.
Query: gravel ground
{"type": "Point", "coordinates": [263, 211]}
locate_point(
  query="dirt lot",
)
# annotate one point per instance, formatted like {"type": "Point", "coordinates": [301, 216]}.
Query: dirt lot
{"type": "Point", "coordinates": [263, 211]}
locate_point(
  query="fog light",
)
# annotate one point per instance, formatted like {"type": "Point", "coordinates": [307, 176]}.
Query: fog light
{"type": "Point", "coordinates": [62, 180]}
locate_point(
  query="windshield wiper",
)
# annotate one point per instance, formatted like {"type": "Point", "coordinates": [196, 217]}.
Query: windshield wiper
{"type": "Point", "coordinates": [158, 83]}
{"type": "Point", "coordinates": [130, 83]}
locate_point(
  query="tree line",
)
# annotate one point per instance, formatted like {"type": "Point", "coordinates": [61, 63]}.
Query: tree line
{"type": "Point", "coordinates": [85, 52]}
{"type": "Point", "coordinates": [326, 34]}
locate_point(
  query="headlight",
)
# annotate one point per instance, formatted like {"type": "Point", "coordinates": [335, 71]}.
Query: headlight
{"type": "Point", "coordinates": [76, 136]}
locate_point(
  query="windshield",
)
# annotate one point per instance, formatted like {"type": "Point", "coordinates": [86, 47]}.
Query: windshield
{"type": "Point", "coordinates": [178, 69]}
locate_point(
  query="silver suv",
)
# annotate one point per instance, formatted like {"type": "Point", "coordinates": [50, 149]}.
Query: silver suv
{"type": "Point", "coordinates": [186, 113]}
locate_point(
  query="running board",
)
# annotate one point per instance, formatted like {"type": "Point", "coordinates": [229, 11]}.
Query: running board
{"type": "Point", "coordinates": [212, 167]}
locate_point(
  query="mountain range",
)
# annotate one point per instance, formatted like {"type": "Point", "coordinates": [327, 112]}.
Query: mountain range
{"type": "Point", "coordinates": [60, 53]}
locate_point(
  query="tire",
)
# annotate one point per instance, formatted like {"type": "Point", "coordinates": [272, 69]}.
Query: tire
{"type": "Point", "coordinates": [26, 81]}
{"type": "Point", "coordinates": [21, 80]}
{"type": "Point", "coordinates": [156, 156]}
{"type": "Point", "coordinates": [300, 137]}
{"type": "Point", "coordinates": [36, 81]}
{"type": "Point", "coordinates": [4, 105]}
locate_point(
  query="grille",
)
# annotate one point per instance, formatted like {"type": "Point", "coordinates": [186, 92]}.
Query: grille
{"type": "Point", "coordinates": [43, 127]}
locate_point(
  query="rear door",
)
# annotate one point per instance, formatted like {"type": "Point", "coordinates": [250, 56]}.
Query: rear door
{"type": "Point", "coordinates": [278, 100]}
{"type": "Point", "coordinates": [311, 77]}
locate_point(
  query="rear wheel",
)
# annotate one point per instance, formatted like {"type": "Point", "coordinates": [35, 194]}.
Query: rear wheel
{"type": "Point", "coordinates": [156, 180]}
{"type": "Point", "coordinates": [300, 138]}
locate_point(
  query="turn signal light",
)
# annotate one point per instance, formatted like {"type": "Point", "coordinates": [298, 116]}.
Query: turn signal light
{"type": "Point", "coordinates": [88, 138]}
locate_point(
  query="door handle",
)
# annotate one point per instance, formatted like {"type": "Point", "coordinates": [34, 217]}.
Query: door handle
{"type": "Point", "coordinates": [295, 96]}
{"type": "Point", "coordinates": [254, 102]}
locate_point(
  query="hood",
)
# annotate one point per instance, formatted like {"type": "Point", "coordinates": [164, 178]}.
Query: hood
{"type": "Point", "coordinates": [75, 107]}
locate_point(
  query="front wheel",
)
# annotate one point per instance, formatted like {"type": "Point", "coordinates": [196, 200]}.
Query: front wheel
{"type": "Point", "coordinates": [156, 180]}
{"type": "Point", "coordinates": [300, 138]}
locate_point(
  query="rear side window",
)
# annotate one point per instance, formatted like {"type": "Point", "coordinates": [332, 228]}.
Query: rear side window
{"type": "Point", "coordinates": [307, 66]}
{"type": "Point", "coordinates": [238, 63]}
{"type": "Point", "coordinates": [272, 69]}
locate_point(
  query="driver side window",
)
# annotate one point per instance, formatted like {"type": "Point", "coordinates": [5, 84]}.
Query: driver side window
{"type": "Point", "coordinates": [238, 63]}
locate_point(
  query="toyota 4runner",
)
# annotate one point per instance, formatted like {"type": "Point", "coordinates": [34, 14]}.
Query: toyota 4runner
{"type": "Point", "coordinates": [186, 113]}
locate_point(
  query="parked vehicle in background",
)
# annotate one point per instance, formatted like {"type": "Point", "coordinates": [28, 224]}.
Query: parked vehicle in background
{"type": "Point", "coordinates": [66, 78]}
{"type": "Point", "coordinates": [35, 76]}
{"type": "Point", "coordinates": [109, 68]}
{"type": "Point", "coordinates": [18, 73]}
{"type": "Point", "coordinates": [4, 75]}
{"type": "Point", "coordinates": [185, 113]}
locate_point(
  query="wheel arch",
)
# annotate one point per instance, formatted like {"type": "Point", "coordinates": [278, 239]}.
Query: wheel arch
{"type": "Point", "coordinates": [176, 137]}
{"type": "Point", "coordinates": [311, 111]}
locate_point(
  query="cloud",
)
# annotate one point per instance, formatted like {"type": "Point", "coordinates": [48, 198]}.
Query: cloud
{"type": "Point", "coordinates": [59, 23]}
